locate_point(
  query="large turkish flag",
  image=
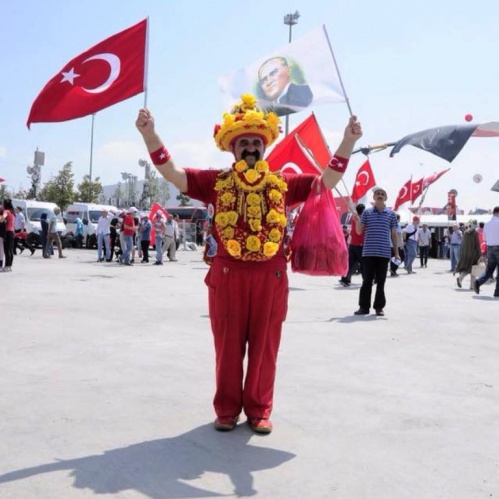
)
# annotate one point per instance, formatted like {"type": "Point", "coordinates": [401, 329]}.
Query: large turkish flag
{"type": "Point", "coordinates": [109, 72]}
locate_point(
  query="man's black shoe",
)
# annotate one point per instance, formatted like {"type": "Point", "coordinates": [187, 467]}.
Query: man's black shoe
{"type": "Point", "coordinates": [476, 287]}
{"type": "Point", "coordinates": [362, 311]}
{"type": "Point", "coordinates": [380, 313]}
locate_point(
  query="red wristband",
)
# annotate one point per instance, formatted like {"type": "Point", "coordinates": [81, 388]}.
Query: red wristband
{"type": "Point", "coordinates": [160, 156]}
{"type": "Point", "coordinates": [338, 164]}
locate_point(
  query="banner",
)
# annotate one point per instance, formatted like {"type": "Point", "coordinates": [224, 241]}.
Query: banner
{"type": "Point", "coordinates": [109, 72]}
{"type": "Point", "coordinates": [290, 79]}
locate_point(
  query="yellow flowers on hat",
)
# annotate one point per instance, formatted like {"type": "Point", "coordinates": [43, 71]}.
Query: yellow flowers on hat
{"type": "Point", "coordinates": [246, 119]}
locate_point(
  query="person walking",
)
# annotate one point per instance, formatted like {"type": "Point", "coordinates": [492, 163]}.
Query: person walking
{"type": "Point", "coordinates": [8, 218]}
{"type": "Point", "coordinates": [159, 234]}
{"type": "Point", "coordinates": [491, 238]}
{"type": "Point", "coordinates": [128, 231]}
{"type": "Point", "coordinates": [53, 235]}
{"type": "Point", "coordinates": [169, 239]}
{"type": "Point", "coordinates": [456, 238]}
{"type": "Point", "coordinates": [145, 227]}
{"type": "Point", "coordinates": [394, 262]}
{"type": "Point", "coordinates": [424, 243]}
{"type": "Point", "coordinates": [411, 244]}
{"type": "Point", "coordinates": [470, 255]}
{"type": "Point", "coordinates": [247, 280]}
{"type": "Point", "coordinates": [354, 248]}
{"type": "Point", "coordinates": [379, 225]}
{"type": "Point", "coordinates": [79, 232]}
{"type": "Point", "coordinates": [103, 241]}
{"type": "Point", "coordinates": [20, 235]}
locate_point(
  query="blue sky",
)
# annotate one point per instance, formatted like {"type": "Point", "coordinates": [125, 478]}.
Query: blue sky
{"type": "Point", "coordinates": [406, 67]}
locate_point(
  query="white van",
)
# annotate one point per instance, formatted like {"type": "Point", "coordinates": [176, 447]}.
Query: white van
{"type": "Point", "coordinates": [89, 214]}
{"type": "Point", "coordinates": [33, 211]}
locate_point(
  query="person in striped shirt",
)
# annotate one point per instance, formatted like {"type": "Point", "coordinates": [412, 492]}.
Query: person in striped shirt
{"type": "Point", "coordinates": [379, 224]}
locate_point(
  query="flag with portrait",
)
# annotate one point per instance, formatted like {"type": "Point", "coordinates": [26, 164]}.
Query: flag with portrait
{"type": "Point", "coordinates": [290, 79]}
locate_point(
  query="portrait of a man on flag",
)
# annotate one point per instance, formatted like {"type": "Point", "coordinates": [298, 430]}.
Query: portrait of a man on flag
{"type": "Point", "coordinates": [281, 83]}
{"type": "Point", "coordinates": [289, 79]}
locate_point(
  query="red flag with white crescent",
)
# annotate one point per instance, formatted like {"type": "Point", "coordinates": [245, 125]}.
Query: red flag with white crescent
{"type": "Point", "coordinates": [294, 158]}
{"type": "Point", "coordinates": [416, 189]}
{"type": "Point", "coordinates": [155, 207]}
{"type": "Point", "coordinates": [311, 137]}
{"type": "Point", "coordinates": [404, 195]}
{"type": "Point", "coordinates": [109, 72]}
{"type": "Point", "coordinates": [363, 181]}
{"type": "Point", "coordinates": [427, 181]}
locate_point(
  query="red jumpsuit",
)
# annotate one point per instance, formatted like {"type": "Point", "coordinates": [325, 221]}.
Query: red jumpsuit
{"type": "Point", "coordinates": [248, 303]}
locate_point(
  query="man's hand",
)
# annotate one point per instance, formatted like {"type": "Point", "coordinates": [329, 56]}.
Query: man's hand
{"type": "Point", "coordinates": [353, 131]}
{"type": "Point", "coordinates": [145, 122]}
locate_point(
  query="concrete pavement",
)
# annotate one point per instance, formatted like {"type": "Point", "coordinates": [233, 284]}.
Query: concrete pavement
{"type": "Point", "coordinates": [107, 379]}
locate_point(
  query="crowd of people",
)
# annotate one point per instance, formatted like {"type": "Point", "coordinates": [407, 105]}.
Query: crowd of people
{"type": "Point", "coordinates": [125, 235]}
{"type": "Point", "coordinates": [121, 236]}
{"type": "Point", "coordinates": [469, 247]}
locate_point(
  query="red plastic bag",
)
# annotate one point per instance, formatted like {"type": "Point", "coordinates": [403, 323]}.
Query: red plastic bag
{"type": "Point", "coordinates": [318, 246]}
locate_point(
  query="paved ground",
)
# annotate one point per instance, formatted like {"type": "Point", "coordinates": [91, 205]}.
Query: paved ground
{"type": "Point", "coordinates": [106, 380]}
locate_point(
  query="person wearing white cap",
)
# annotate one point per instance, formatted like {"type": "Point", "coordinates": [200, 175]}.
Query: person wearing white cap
{"type": "Point", "coordinates": [128, 232]}
{"type": "Point", "coordinates": [379, 224]}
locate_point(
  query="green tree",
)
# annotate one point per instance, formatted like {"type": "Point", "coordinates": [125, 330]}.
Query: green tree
{"type": "Point", "coordinates": [89, 190]}
{"type": "Point", "coordinates": [59, 190]}
{"type": "Point", "coordinates": [159, 189]}
{"type": "Point", "coordinates": [4, 192]}
{"type": "Point", "coordinates": [164, 191]}
{"type": "Point", "coordinates": [184, 200]}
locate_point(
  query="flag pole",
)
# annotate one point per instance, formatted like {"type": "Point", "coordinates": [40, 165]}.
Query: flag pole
{"type": "Point", "coordinates": [91, 146]}
{"type": "Point", "coordinates": [418, 211]}
{"type": "Point", "coordinates": [146, 62]}
{"type": "Point", "coordinates": [338, 71]}
{"type": "Point", "coordinates": [309, 152]}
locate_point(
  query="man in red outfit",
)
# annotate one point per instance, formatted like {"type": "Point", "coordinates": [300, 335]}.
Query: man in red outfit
{"type": "Point", "coordinates": [247, 281]}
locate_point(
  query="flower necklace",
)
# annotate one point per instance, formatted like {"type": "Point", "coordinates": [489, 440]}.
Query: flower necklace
{"type": "Point", "coordinates": [250, 211]}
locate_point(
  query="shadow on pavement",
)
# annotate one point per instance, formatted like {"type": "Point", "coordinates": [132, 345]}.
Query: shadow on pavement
{"type": "Point", "coordinates": [159, 468]}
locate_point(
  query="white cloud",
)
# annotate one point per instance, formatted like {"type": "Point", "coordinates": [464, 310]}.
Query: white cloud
{"type": "Point", "coordinates": [3, 151]}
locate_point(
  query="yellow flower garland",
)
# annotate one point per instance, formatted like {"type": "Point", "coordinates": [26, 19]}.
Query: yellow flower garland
{"type": "Point", "coordinates": [250, 211]}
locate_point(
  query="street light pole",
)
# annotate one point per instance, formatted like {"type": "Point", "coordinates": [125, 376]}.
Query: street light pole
{"type": "Point", "coordinates": [290, 20]}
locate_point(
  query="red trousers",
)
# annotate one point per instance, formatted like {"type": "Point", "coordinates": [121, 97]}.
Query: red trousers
{"type": "Point", "coordinates": [248, 303]}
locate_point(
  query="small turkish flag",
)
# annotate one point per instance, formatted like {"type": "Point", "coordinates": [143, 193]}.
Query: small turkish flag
{"type": "Point", "coordinates": [417, 189]}
{"type": "Point", "coordinates": [109, 72]}
{"type": "Point", "coordinates": [404, 195]}
{"type": "Point", "coordinates": [363, 181]}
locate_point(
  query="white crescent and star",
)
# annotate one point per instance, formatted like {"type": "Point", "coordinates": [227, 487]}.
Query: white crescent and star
{"type": "Point", "coordinates": [114, 66]}
{"type": "Point", "coordinates": [358, 183]}
{"type": "Point", "coordinates": [403, 192]}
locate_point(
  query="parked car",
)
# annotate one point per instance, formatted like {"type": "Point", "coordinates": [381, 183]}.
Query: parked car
{"type": "Point", "coordinates": [89, 214]}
